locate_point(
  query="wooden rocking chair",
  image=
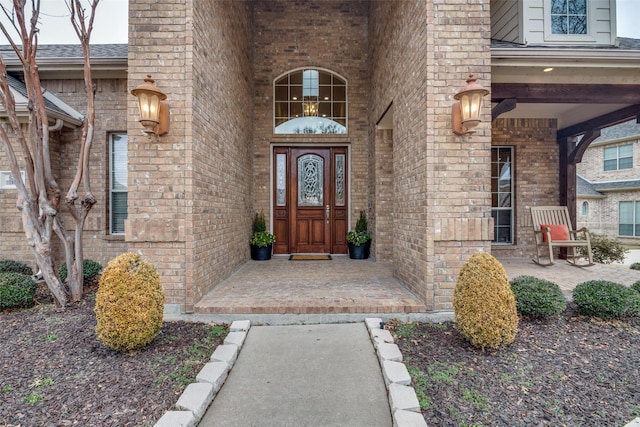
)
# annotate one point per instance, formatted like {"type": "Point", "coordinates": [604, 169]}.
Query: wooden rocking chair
{"type": "Point", "coordinates": [552, 229]}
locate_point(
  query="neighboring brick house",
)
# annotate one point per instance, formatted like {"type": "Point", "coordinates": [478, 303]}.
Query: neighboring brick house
{"type": "Point", "coordinates": [609, 184]}
{"type": "Point", "coordinates": [243, 79]}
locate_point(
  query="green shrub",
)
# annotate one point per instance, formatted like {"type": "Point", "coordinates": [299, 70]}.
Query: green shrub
{"type": "Point", "coordinates": [636, 286]}
{"type": "Point", "coordinates": [259, 223]}
{"type": "Point", "coordinates": [10, 266]}
{"type": "Point", "coordinates": [537, 297]}
{"type": "Point", "coordinates": [483, 303]}
{"type": "Point", "coordinates": [635, 266]}
{"type": "Point", "coordinates": [90, 269]}
{"type": "Point", "coordinates": [129, 303]}
{"type": "Point", "coordinates": [16, 290]}
{"type": "Point", "coordinates": [362, 225]}
{"type": "Point", "coordinates": [606, 300]}
{"type": "Point", "coordinates": [605, 250]}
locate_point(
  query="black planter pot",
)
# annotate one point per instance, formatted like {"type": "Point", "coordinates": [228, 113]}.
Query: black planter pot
{"type": "Point", "coordinates": [361, 251]}
{"type": "Point", "coordinates": [261, 253]}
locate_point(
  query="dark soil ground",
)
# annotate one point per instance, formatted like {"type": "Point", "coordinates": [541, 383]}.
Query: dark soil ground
{"type": "Point", "coordinates": [568, 371]}
{"type": "Point", "coordinates": [54, 372]}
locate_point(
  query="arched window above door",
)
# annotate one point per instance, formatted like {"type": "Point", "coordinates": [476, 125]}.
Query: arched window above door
{"type": "Point", "coordinates": [310, 101]}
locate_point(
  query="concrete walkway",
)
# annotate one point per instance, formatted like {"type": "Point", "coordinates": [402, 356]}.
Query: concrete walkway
{"type": "Point", "coordinates": [304, 375]}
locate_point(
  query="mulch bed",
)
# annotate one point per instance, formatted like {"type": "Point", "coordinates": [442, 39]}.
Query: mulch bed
{"type": "Point", "coordinates": [568, 371]}
{"type": "Point", "coordinates": [54, 372]}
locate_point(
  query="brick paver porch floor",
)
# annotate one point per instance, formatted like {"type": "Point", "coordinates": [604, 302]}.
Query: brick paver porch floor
{"type": "Point", "coordinates": [342, 285]}
{"type": "Point", "coordinates": [280, 286]}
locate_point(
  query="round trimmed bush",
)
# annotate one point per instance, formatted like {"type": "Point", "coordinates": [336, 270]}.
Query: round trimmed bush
{"type": "Point", "coordinates": [11, 266]}
{"type": "Point", "coordinates": [636, 286]}
{"type": "Point", "coordinates": [16, 290]}
{"type": "Point", "coordinates": [537, 297]}
{"type": "Point", "coordinates": [606, 300]}
{"type": "Point", "coordinates": [635, 266]}
{"type": "Point", "coordinates": [90, 269]}
{"type": "Point", "coordinates": [129, 303]}
{"type": "Point", "coordinates": [483, 303]}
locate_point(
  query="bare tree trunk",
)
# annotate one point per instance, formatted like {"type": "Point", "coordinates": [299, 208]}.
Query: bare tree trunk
{"type": "Point", "coordinates": [41, 249]}
{"type": "Point", "coordinates": [39, 199]}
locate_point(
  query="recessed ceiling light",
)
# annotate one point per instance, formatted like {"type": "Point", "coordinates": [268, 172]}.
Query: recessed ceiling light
{"type": "Point", "coordinates": [546, 70]}
{"type": "Point", "coordinates": [295, 98]}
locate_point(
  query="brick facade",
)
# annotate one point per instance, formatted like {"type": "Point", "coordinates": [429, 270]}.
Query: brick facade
{"type": "Point", "coordinates": [193, 192]}
{"type": "Point", "coordinates": [535, 175]}
{"type": "Point", "coordinates": [111, 97]}
{"type": "Point", "coordinates": [603, 213]}
{"type": "Point", "coordinates": [326, 34]}
{"type": "Point", "coordinates": [420, 55]}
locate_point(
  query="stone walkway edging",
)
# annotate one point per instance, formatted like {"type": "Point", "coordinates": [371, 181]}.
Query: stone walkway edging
{"type": "Point", "coordinates": [196, 397]}
{"type": "Point", "coordinates": [403, 400]}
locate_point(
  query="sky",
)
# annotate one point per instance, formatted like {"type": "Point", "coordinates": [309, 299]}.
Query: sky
{"type": "Point", "coordinates": [111, 22]}
{"type": "Point", "coordinates": [110, 25]}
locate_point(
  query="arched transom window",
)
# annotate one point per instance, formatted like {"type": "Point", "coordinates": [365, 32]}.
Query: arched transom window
{"type": "Point", "coordinates": [310, 101]}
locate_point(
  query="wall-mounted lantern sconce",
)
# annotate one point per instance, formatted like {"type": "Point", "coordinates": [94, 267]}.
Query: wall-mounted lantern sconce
{"type": "Point", "coordinates": [154, 111]}
{"type": "Point", "coordinates": [465, 114]}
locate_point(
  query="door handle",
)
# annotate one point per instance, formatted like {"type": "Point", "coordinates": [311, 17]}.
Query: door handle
{"type": "Point", "coordinates": [327, 213]}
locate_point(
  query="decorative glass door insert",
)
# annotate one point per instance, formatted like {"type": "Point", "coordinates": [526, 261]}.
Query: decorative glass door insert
{"type": "Point", "coordinates": [310, 180]}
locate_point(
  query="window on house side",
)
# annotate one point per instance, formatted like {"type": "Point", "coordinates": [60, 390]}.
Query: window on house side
{"type": "Point", "coordinates": [619, 157]}
{"type": "Point", "coordinates": [502, 194]}
{"type": "Point", "coordinates": [118, 174]}
{"type": "Point", "coordinates": [585, 209]}
{"type": "Point", "coordinates": [569, 16]}
{"type": "Point", "coordinates": [629, 219]}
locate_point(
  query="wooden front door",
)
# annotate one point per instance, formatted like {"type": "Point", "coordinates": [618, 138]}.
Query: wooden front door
{"type": "Point", "coordinates": [310, 200]}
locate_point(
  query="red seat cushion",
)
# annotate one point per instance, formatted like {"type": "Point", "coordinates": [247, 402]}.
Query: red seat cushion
{"type": "Point", "coordinates": [558, 232]}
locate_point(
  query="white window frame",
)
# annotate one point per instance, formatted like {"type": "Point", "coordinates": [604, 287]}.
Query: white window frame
{"type": "Point", "coordinates": [511, 208]}
{"type": "Point", "coordinates": [111, 183]}
{"type": "Point", "coordinates": [590, 37]}
{"type": "Point", "coordinates": [584, 211]}
{"type": "Point", "coordinates": [6, 180]}
{"type": "Point", "coordinates": [617, 158]}
{"type": "Point", "coordinates": [636, 218]}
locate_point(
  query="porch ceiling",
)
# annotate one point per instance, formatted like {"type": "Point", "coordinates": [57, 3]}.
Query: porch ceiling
{"type": "Point", "coordinates": [570, 104]}
{"type": "Point", "coordinates": [566, 114]}
{"type": "Point", "coordinates": [582, 84]}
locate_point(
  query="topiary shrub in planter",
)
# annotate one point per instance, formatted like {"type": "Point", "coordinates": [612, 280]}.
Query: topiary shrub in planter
{"type": "Point", "coordinates": [606, 300]}
{"type": "Point", "coordinates": [129, 303]}
{"type": "Point", "coordinates": [484, 304]}
{"type": "Point", "coordinates": [261, 242]}
{"type": "Point", "coordinates": [16, 290]}
{"type": "Point", "coordinates": [537, 297]}
{"type": "Point", "coordinates": [90, 269]}
{"type": "Point", "coordinates": [359, 241]}
{"type": "Point", "coordinates": [11, 266]}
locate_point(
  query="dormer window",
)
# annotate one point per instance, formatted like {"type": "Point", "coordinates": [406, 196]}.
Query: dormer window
{"type": "Point", "coordinates": [569, 16]}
